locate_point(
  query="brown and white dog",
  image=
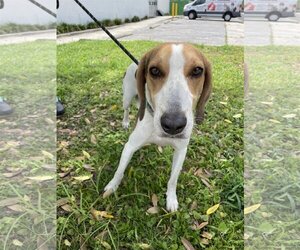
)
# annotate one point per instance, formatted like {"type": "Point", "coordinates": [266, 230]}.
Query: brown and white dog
{"type": "Point", "coordinates": [171, 81]}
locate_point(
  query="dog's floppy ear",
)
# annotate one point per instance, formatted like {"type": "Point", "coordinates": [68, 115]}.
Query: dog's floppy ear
{"type": "Point", "coordinates": [141, 84]}
{"type": "Point", "coordinates": [206, 91]}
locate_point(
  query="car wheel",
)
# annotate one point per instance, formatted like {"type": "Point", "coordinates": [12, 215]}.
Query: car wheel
{"type": "Point", "coordinates": [227, 17]}
{"type": "Point", "coordinates": [192, 15]}
{"type": "Point", "coordinates": [273, 17]}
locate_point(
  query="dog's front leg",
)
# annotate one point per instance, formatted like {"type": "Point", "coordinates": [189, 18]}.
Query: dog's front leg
{"type": "Point", "coordinates": [178, 159]}
{"type": "Point", "coordinates": [135, 142]}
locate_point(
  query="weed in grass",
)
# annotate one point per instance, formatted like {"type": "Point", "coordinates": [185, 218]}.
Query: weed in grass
{"type": "Point", "coordinates": [90, 141]}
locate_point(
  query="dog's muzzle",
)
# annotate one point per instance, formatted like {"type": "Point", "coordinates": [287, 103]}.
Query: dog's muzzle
{"type": "Point", "coordinates": [173, 123]}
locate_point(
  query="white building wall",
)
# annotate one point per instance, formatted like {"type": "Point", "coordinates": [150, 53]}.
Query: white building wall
{"type": "Point", "coordinates": [163, 5]}
{"type": "Point", "coordinates": [70, 12]}
{"type": "Point", "coordinates": [24, 12]}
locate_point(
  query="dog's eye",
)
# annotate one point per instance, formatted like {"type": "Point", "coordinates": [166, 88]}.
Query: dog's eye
{"type": "Point", "coordinates": [155, 72]}
{"type": "Point", "coordinates": [197, 72]}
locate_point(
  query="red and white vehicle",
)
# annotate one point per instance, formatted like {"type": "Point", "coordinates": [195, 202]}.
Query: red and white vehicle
{"type": "Point", "coordinates": [270, 9]}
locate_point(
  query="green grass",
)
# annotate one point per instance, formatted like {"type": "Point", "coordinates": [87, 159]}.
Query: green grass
{"type": "Point", "coordinates": [89, 82]}
{"type": "Point", "coordinates": [26, 80]}
{"type": "Point", "coordinates": [272, 148]}
{"type": "Point", "coordinates": [15, 28]}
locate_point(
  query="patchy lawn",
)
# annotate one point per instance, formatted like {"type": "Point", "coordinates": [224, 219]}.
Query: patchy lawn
{"type": "Point", "coordinates": [90, 140]}
{"type": "Point", "coordinates": [272, 135]}
{"type": "Point", "coordinates": [27, 146]}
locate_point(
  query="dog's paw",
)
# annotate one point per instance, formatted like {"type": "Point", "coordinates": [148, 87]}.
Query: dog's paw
{"type": "Point", "coordinates": [172, 203]}
{"type": "Point", "coordinates": [110, 188]}
{"type": "Point", "coordinates": [125, 124]}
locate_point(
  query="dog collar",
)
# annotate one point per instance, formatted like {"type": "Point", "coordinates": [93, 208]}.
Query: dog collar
{"type": "Point", "coordinates": [149, 108]}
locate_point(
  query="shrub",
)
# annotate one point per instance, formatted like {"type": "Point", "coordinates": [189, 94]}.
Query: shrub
{"type": "Point", "coordinates": [107, 22]}
{"type": "Point", "coordinates": [145, 18]}
{"type": "Point", "coordinates": [127, 20]}
{"type": "Point", "coordinates": [117, 21]}
{"type": "Point", "coordinates": [135, 19]}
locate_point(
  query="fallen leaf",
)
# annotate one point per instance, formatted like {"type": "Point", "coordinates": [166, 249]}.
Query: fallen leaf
{"type": "Point", "coordinates": [187, 244]}
{"type": "Point", "coordinates": [82, 177]}
{"type": "Point", "coordinates": [194, 205]}
{"type": "Point", "coordinates": [113, 107]}
{"type": "Point", "coordinates": [274, 121]}
{"type": "Point", "coordinates": [224, 103]}
{"type": "Point", "coordinates": [289, 116]}
{"type": "Point", "coordinates": [67, 243]}
{"type": "Point", "coordinates": [9, 201]}
{"type": "Point", "coordinates": [228, 121]}
{"type": "Point", "coordinates": [17, 243]}
{"type": "Point", "coordinates": [41, 178]}
{"type": "Point", "coordinates": [267, 103]}
{"type": "Point", "coordinates": [251, 209]}
{"type": "Point", "coordinates": [49, 121]}
{"type": "Point", "coordinates": [105, 245]}
{"type": "Point", "coordinates": [86, 154]}
{"type": "Point", "coordinates": [17, 208]}
{"type": "Point", "coordinates": [153, 210]}
{"type": "Point", "coordinates": [13, 174]}
{"type": "Point", "coordinates": [93, 139]}
{"type": "Point", "coordinates": [204, 241]}
{"type": "Point", "coordinates": [206, 183]}
{"type": "Point", "coordinates": [212, 209]}
{"type": "Point", "coordinates": [144, 246]}
{"type": "Point", "coordinates": [48, 155]}
{"type": "Point", "coordinates": [200, 226]}
{"type": "Point", "coordinates": [154, 200]}
{"type": "Point", "coordinates": [67, 208]}
{"type": "Point", "coordinates": [97, 214]}
{"type": "Point", "coordinates": [160, 149]}
{"type": "Point", "coordinates": [87, 121]}
{"type": "Point", "coordinates": [207, 235]}
{"type": "Point", "coordinates": [237, 116]}
{"type": "Point", "coordinates": [62, 201]}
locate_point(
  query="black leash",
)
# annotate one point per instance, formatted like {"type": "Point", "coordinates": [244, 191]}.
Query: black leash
{"type": "Point", "coordinates": [108, 33]}
{"type": "Point", "coordinates": [42, 7]}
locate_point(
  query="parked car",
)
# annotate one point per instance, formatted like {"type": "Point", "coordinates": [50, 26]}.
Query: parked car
{"type": "Point", "coordinates": [226, 9]}
{"type": "Point", "coordinates": [272, 10]}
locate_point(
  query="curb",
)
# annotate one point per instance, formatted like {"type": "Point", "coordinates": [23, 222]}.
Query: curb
{"type": "Point", "coordinates": [28, 33]}
{"type": "Point", "coordinates": [109, 28]}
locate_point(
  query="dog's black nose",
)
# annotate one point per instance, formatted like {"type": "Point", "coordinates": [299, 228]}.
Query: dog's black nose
{"type": "Point", "coordinates": [173, 123]}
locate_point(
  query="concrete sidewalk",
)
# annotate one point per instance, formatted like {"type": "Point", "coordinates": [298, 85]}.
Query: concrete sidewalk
{"type": "Point", "coordinates": [30, 36]}
{"type": "Point", "coordinates": [118, 31]}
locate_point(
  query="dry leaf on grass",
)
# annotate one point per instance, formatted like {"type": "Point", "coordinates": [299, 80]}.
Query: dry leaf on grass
{"type": "Point", "coordinates": [251, 209]}
{"type": "Point", "coordinates": [41, 178]}
{"type": "Point", "coordinates": [154, 200]}
{"type": "Point", "coordinates": [212, 209]}
{"type": "Point", "coordinates": [153, 210]}
{"type": "Point", "coordinates": [82, 177]}
{"type": "Point", "coordinates": [187, 244]}
{"type": "Point", "coordinates": [97, 215]}
{"type": "Point", "coordinates": [67, 208]}
{"type": "Point", "coordinates": [9, 201]}
{"type": "Point", "coordinates": [17, 208]}
{"type": "Point", "coordinates": [93, 139]}
{"type": "Point", "coordinates": [200, 226]}
{"type": "Point", "coordinates": [207, 235]}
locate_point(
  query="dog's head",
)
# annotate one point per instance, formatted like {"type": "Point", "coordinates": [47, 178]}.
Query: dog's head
{"type": "Point", "coordinates": [176, 79]}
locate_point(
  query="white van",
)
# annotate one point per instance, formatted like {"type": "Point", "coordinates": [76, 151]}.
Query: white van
{"type": "Point", "coordinates": [271, 9]}
{"type": "Point", "coordinates": [226, 9]}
